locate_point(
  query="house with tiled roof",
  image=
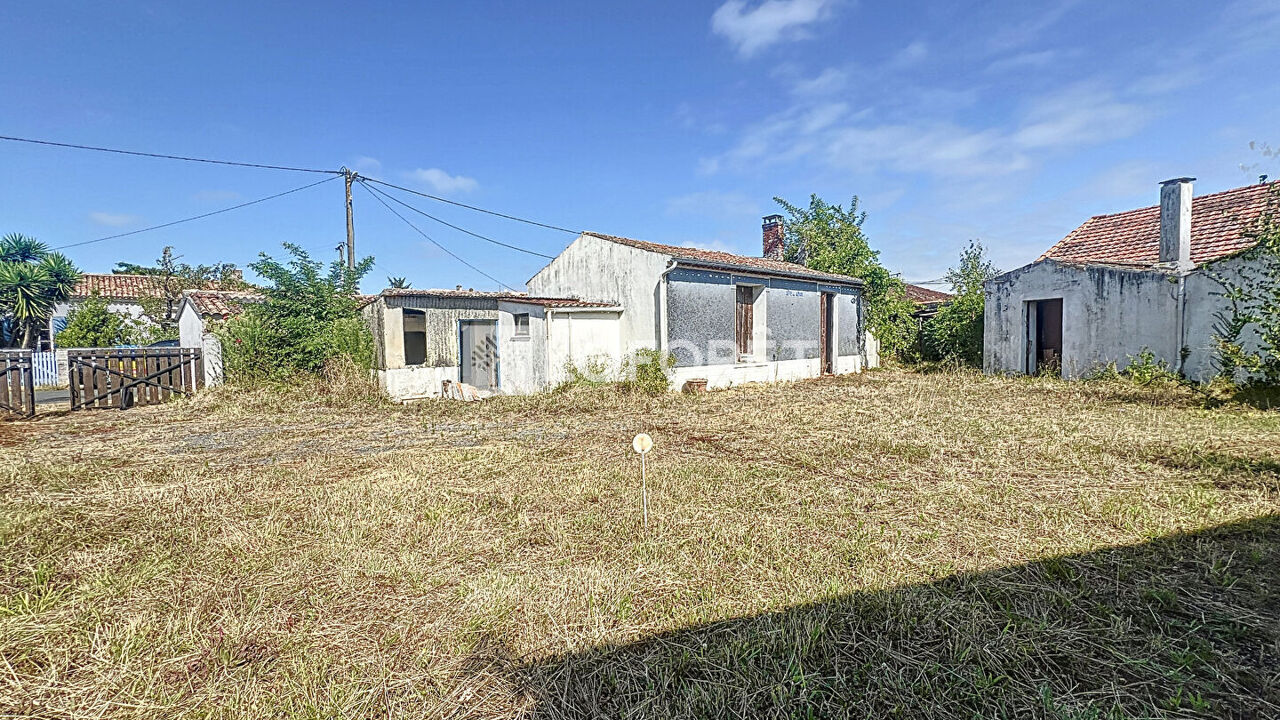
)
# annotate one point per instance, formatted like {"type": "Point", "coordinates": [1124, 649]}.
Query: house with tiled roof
{"type": "Point", "coordinates": [927, 301]}
{"type": "Point", "coordinates": [201, 308]}
{"type": "Point", "coordinates": [1125, 283]}
{"type": "Point", "coordinates": [726, 319]}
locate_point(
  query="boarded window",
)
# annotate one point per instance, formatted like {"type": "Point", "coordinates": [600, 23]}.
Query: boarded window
{"type": "Point", "coordinates": [415, 337]}
{"type": "Point", "coordinates": [745, 320]}
{"type": "Point", "coordinates": [522, 324]}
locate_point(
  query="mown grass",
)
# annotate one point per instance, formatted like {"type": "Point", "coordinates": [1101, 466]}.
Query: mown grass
{"type": "Point", "coordinates": [893, 544]}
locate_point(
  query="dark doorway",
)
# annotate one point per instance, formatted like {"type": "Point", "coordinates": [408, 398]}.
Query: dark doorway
{"type": "Point", "coordinates": [1047, 348]}
{"type": "Point", "coordinates": [745, 321]}
{"type": "Point", "coordinates": [478, 347]}
{"type": "Point", "coordinates": [826, 322]}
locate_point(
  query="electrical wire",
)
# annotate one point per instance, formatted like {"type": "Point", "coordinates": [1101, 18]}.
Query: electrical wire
{"type": "Point", "coordinates": [198, 217]}
{"type": "Point", "coordinates": [167, 157]}
{"type": "Point", "coordinates": [517, 248]}
{"type": "Point", "coordinates": [431, 240]}
{"type": "Point", "coordinates": [473, 207]}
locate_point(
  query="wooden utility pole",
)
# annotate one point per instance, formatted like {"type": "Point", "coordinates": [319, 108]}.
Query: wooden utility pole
{"type": "Point", "coordinates": [349, 176]}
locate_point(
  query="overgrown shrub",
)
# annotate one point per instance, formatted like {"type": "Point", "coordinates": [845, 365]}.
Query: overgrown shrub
{"type": "Point", "coordinates": [1143, 369]}
{"type": "Point", "coordinates": [94, 325]}
{"type": "Point", "coordinates": [308, 318]}
{"type": "Point", "coordinates": [647, 372]}
{"type": "Point", "coordinates": [1247, 333]}
{"type": "Point", "coordinates": [954, 335]}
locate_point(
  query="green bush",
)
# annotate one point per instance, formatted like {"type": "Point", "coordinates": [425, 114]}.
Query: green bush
{"type": "Point", "coordinates": [93, 325]}
{"type": "Point", "coordinates": [307, 319]}
{"type": "Point", "coordinates": [647, 372]}
{"type": "Point", "coordinates": [954, 335]}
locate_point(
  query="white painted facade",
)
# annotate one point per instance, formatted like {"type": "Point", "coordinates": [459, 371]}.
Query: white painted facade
{"type": "Point", "coordinates": [642, 282]}
{"type": "Point", "coordinates": [1110, 313]}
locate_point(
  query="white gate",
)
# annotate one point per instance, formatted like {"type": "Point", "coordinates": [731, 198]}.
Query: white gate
{"type": "Point", "coordinates": [44, 366]}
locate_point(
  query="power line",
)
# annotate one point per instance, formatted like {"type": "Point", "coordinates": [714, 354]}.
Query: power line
{"type": "Point", "coordinates": [460, 229]}
{"type": "Point", "coordinates": [430, 239]}
{"type": "Point", "coordinates": [198, 217]}
{"type": "Point", "coordinates": [473, 207]}
{"type": "Point", "coordinates": [166, 157]}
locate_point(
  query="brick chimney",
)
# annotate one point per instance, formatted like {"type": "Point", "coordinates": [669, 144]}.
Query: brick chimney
{"type": "Point", "coordinates": [1175, 222]}
{"type": "Point", "coordinates": [772, 232]}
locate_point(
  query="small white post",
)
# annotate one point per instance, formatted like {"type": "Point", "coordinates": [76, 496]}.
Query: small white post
{"type": "Point", "coordinates": [642, 444]}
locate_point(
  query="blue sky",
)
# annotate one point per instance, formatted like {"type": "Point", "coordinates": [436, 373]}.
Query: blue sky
{"type": "Point", "coordinates": [674, 122]}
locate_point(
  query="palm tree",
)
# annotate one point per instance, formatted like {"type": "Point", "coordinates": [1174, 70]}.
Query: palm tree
{"type": "Point", "coordinates": [32, 281]}
{"type": "Point", "coordinates": [398, 283]}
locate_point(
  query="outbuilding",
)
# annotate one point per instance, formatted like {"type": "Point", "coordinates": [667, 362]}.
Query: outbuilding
{"type": "Point", "coordinates": [1121, 284]}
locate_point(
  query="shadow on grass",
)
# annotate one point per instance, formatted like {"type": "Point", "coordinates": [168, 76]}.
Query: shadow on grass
{"type": "Point", "coordinates": [1226, 471]}
{"type": "Point", "coordinates": [1185, 625]}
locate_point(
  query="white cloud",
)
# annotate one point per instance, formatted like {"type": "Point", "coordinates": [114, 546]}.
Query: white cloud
{"type": "Point", "coordinates": [1080, 115]}
{"type": "Point", "coordinates": [824, 83]}
{"type": "Point", "coordinates": [113, 219]}
{"type": "Point", "coordinates": [714, 203]}
{"type": "Point", "coordinates": [910, 55]}
{"type": "Point", "coordinates": [443, 181]}
{"type": "Point", "coordinates": [366, 164]}
{"type": "Point", "coordinates": [770, 22]}
{"type": "Point", "coordinates": [1023, 61]}
{"type": "Point", "coordinates": [835, 134]}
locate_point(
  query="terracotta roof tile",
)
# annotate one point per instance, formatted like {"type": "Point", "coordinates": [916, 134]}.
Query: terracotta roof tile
{"type": "Point", "coordinates": [118, 287]}
{"type": "Point", "coordinates": [696, 256]}
{"type": "Point", "coordinates": [484, 294]}
{"type": "Point", "coordinates": [221, 304]}
{"type": "Point", "coordinates": [924, 296]}
{"type": "Point", "coordinates": [1220, 226]}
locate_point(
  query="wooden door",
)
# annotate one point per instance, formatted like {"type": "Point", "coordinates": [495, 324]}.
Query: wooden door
{"type": "Point", "coordinates": [826, 320]}
{"type": "Point", "coordinates": [745, 322]}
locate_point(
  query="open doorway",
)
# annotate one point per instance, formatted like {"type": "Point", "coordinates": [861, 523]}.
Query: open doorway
{"type": "Point", "coordinates": [1044, 335]}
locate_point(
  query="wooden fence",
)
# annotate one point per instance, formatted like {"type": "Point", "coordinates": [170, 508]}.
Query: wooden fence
{"type": "Point", "coordinates": [17, 384]}
{"type": "Point", "coordinates": [132, 377]}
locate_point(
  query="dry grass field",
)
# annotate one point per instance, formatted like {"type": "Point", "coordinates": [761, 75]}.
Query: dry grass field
{"type": "Point", "coordinates": [888, 545]}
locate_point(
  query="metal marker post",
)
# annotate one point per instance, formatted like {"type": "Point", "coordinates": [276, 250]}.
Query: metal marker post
{"type": "Point", "coordinates": [642, 444]}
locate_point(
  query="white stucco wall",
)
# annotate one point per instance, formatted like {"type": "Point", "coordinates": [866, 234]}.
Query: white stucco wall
{"type": "Point", "coordinates": [595, 269]}
{"type": "Point", "coordinates": [1108, 315]}
{"type": "Point", "coordinates": [415, 383]}
{"type": "Point", "coordinates": [190, 325]}
{"type": "Point", "coordinates": [578, 337]}
{"type": "Point", "coordinates": [522, 361]}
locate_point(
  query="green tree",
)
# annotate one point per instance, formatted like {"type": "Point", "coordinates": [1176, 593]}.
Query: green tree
{"type": "Point", "coordinates": [308, 317]}
{"type": "Point", "coordinates": [955, 333]}
{"type": "Point", "coordinates": [93, 325]}
{"type": "Point", "coordinates": [33, 280]}
{"type": "Point", "coordinates": [174, 278]}
{"type": "Point", "coordinates": [830, 239]}
{"type": "Point", "coordinates": [1248, 330]}
{"type": "Point", "coordinates": [399, 283]}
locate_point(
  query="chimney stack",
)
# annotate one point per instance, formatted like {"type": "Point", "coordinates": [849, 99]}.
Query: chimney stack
{"type": "Point", "coordinates": [772, 231]}
{"type": "Point", "coordinates": [1175, 222]}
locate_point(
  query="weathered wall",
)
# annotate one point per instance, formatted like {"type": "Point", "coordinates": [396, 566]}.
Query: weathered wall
{"type": "Point", "coordinates": [190, 326]}
{"type": "Point", "coordinates": [701, 327]}
{"type": "Point", "coordinates": [522, 361]}
{"type": "Point", "coordinates": [583, 338]}
{"type": "Point", "coordinates": [442, 318]}
{"type": "Point", "coordinates": [1108, 314]}
{"type": "Point", "coordinates": [1204, 305]}
{"type": "Point", "coordinates": [602, 271]}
